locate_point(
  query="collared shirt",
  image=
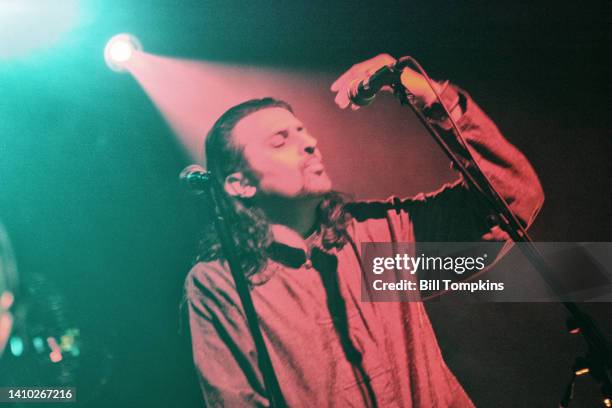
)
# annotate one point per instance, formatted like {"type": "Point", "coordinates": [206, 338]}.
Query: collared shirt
{"type": "Point", "coordinates": [327, 347]}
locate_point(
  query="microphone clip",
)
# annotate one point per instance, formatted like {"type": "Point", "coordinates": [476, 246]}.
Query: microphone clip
{"type": "Point", "coordinates": [195, 178]}
{"type": "Point", "coordinates": [362, 93]}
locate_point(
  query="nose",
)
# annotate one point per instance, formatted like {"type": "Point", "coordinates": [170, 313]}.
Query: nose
{"type": "Point", "coordinates": [310, 144]}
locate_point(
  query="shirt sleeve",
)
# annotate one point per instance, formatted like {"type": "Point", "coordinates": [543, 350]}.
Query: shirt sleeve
{"type": "Point", "coordinates": [454, 213]}
{"type": "Point", "coordinates": [223, 350]}
{"type": "Point", "coordinates": [451, 214]}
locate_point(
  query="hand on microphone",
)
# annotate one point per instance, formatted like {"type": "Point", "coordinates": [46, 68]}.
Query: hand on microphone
{"type": "Point", "coordinates": [414, 82]}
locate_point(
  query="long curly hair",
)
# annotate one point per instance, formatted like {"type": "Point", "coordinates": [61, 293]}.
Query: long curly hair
{"type": "Point", "coordinates": [249, 225]}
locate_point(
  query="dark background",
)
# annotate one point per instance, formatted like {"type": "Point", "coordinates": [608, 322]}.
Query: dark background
{"type": "Point", "coordinates": [90, 198]}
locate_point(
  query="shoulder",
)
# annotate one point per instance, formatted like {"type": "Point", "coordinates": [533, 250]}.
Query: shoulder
{"type": "Point", "coordinates": [208, 280]}
{"type": "Point", "coordinates": [370, 209]}
{"type": "Point", "coordinates": [394, 217]}
{"type": "Point", "coordinates": [379, 220]}
{"type": "Point", "coordinates": [375, 209]}
{"type": "Point", "coordinates": [211, 292]}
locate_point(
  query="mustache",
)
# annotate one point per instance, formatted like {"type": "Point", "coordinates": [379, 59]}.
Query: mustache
{"type": "Point", "coordinates": [314, 160]}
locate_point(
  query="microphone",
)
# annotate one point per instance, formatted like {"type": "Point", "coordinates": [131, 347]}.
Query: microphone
{"type": "Point", "coordinates": [195, 177]}
{"type": "Point", "coordinates": [362, 93]}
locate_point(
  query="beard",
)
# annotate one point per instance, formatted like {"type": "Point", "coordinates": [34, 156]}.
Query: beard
{"type": "Point", "coordinates": [316, 184]}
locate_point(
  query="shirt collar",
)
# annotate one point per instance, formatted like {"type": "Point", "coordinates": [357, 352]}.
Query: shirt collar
{"type": "Point", "coordinates": [295, 258]}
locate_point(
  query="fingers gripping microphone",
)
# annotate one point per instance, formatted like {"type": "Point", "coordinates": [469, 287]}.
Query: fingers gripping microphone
{"type": "Point", "coordinates": [194, 177]}
{"type": "Point", "coordinates": [362, 93]}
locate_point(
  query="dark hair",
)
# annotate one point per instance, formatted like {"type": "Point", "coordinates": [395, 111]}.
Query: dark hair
{"type": "Point", "coordinates": [250, 226]}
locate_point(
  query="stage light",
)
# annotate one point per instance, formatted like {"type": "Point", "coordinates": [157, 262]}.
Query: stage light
{"type": "Point", "coordinates": [38, 344]}
{"type": "Point", "coordinates": [16, 345]}
{"type": "Point", "coordinates": [56, 353]}
{"type": "Point", "coordinates": [120, 50]}
{"type": "Point", "coordinates": [582, 371]}
{"type": "Point", "coordinates": [55, 356]}
{"type": "Point", "coordinates": [30, 25]}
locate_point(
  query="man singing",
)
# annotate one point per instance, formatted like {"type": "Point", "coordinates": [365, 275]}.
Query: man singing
{"type": "Point", "coordinates": [299, 246]}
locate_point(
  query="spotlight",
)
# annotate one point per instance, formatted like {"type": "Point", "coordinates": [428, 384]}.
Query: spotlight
{"type": "Point", "coordinates": [119, 51]}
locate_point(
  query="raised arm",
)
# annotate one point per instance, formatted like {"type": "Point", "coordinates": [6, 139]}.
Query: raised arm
{"type": "Point", "coordinates": [454, 212]}
{"type": "Point", "coordinates": [503, 164]}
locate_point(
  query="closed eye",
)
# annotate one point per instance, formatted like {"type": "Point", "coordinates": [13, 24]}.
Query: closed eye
{"type": "Point", "coordinates": [278, 139]}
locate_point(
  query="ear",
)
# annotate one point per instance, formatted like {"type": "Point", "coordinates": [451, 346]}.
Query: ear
{"type": "Point", "coordinates": [238, 185]}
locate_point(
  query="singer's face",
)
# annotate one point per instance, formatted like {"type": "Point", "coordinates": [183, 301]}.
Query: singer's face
{"type": "Point", "coordinates": [281, 154]}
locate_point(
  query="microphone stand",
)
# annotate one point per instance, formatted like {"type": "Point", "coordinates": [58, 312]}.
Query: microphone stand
{"type": "Point", "coordinates": [598, 358]}
{"type": "Point", "coordinates": [203, 182]}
